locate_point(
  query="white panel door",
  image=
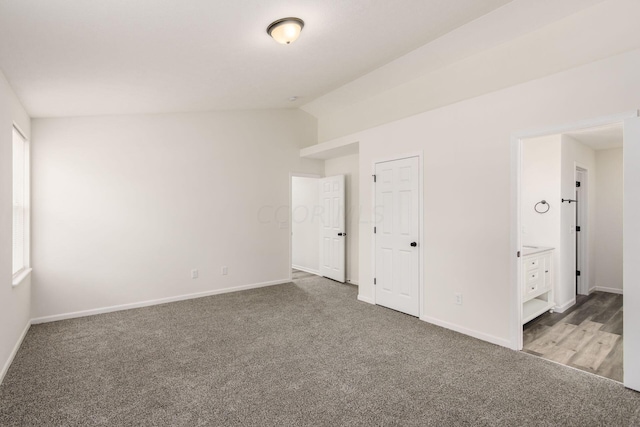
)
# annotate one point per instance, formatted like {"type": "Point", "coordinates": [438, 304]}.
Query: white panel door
{"type": "Point", "coordinates": [631, 253]}
{"type": "Point", "coordinates": [579, 226]}
{"type": "Point", "coordinates": [397, 228]}
{"type": "Point", "coordinates": [332, 230]}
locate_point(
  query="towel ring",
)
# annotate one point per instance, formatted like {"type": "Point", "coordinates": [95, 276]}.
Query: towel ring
{"type": "Point", "coordinates": [540, 210]}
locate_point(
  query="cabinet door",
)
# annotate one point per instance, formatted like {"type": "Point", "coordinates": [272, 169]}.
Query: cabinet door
{"type": "Point", "coordinates": [546, 272]}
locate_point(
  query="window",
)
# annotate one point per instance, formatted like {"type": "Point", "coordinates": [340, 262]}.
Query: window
{"type": "Point", "coordinates": [20, 207]}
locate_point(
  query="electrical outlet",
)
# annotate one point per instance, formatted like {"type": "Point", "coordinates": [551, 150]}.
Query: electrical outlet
{"type": "Point", "coordinates": [225, 271]}
{"type": "Point", "coordinates": [194, 274]}
{"type": "Point", "coordinates": [458, 297]}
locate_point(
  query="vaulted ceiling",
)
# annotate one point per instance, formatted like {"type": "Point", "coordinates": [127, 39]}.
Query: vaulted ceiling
{"type": "Point", "coordinates": [78, 57]}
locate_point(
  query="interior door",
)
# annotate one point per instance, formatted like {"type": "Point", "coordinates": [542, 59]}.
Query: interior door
{"type": "Point", "coordinates": [397, 228]}
{"type": "Point", "coordinates": [578, 232]}
{"type": "Point", "coordinates": [332, 230]}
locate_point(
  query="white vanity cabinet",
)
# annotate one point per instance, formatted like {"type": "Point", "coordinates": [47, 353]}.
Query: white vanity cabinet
{"type": "Point", "coordinates": [537, 282]}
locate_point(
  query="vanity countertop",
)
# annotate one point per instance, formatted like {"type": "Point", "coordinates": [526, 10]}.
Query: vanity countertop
{"type": "Point", "coordinates": [529, 250]}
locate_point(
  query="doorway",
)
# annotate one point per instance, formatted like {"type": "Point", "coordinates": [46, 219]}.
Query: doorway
{"type": "Point", "coordinates": [571, 265]}
{"type": "Point", "coordinates": [397, 232]}
{"type": "Point", "coordinates": [305, 223]}
{"type": "Point", "coordinates": [318, 233]}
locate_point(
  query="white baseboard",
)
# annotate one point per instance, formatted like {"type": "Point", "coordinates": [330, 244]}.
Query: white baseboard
{"type": "Point", "coordinates": [365, 299]}
{"type": "Point", "coordinates": [472, 333]}
{"type": "Point", "coordinates": [353, 282]}
{"type": "Point", "coordinates": [306, 270]}
{"type": "Point", "coordinates": [564, 307]}
{"type": "Point", "coordinates": [121, 307]}
{"type": "Point", "coordinates": [605, 289]}
{"type": "Point", "coordinates": [5, 368]}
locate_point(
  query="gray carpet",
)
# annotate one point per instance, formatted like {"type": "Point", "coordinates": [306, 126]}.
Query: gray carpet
{"type": "Point", "coordinates": [299, 274]}
{"type": "Point", "coordinates": [295, 354]}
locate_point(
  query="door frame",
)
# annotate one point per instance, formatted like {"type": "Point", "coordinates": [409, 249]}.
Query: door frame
{"type": "Point", "coordinates": [583, 218]}
{"type": "Point", "coordinates": [290, 214]}
{"type": "Point", "coordinates": [515, 262]}
{"type": "Point", "coordinates": [421, 240]}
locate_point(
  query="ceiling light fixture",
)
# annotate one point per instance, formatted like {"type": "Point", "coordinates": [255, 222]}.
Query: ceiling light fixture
{"type": "Point", "coordinates": [285, 30]}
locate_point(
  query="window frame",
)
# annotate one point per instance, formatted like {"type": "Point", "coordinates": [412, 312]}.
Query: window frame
{"type": "Point", "coordinates": [21, 274]}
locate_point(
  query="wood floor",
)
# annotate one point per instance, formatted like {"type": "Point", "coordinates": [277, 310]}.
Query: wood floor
{"type": "Point", "coordinates": [588, 336]}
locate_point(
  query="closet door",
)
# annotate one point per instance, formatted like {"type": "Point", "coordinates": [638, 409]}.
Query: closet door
{"type": "Point", "coordinates": [397, 223]}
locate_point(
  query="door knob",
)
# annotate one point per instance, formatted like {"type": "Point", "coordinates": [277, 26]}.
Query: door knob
{"type": "Point", "coordinates": [342, 234]}
{"type": "Point", "coordinates": [414, 244]}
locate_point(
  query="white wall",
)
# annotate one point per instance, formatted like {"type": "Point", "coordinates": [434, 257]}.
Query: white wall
{"type": "Point", "coordinates": [126, 206]}
{"type": "Point", "coordinates": [467, 184]}
{"type": "Point", "coordinates": [348, 166]}
{"type": "Point", "coordinates": [575, 154]}
{"type": "Point", "coordinates": [540, 180]}
{"type": "Point", "coordinates": [608, 226]}
{"type": "Point", "coordinates": [305, 224]}
{"type": "Point", "coordinates": [15, 302]}
{"type": "Point", "coordinates": [606, 29]}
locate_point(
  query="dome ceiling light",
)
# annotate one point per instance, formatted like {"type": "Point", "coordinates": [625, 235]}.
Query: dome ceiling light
{"type": "Point", "coordinates": [285, 30]}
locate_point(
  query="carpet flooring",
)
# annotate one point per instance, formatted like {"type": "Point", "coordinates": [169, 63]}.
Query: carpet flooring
{"type": "Point", "coordinates": [304, 353]}
{"type": "Point", "coordinates": [299, 274]}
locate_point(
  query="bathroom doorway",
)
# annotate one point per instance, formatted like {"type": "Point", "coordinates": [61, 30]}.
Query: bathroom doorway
{"type": "Point", "coordinates": [571, 274]}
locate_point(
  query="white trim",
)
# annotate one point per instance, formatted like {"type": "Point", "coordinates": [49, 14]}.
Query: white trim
{"type": "Point", "coordinates": [471, 332]}
{"type": "Point", "coordinates": [366, 299]}
{"type": "Point", "coordinates": [304, 175]}
{"type": "Point", "coordinates": [352, 282]}
{"type": "Point", "coordinates": [16, 347]}
{"type": "Point", "coordinates": [26, 236]}
{"type": "Point", "coordinates": [306, 270]}
{"type": "Point", "coordinates": [27, 205]}
{"type": "Point", "coordinates": [582, 124]}
{"type": "Point", "coordinates": [605, 289]}
{"type": "Point", "coordinates": [515, 321]}
{"type": "Point", "coordinates": [631, 248]}
{"type": "Point", "coordinates": [20, 276]}
{"type": "Point", "coordinates": [564, 307]}
{"type": "Point", "coordinates": [515, 262]}
{"type": "Point", "coordinates": [421, 239]}
{"type": "Point", "coordinates": [148, 303]}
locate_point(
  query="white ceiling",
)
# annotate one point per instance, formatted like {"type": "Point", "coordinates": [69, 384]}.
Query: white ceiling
{"type": "Point", "coordinates": [507, 23]}
{"type": "Point", "coordinates": [600, 138]}
{"type": "Point", "coordinates": [78, 57]}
